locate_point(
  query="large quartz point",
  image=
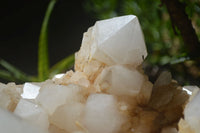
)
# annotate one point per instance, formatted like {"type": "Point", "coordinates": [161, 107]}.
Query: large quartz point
{"type": "Point", "coordinates": [116, 41]}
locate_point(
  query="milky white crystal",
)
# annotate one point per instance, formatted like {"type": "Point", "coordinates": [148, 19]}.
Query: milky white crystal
{"type": "Point", "coordinates": [192, 113]}
{"type": "Point", "coordinates": [30, 91]}
{"type": "Point", "coordinates": [52, 95]}
{"type": "Point", "coordinates": [111, 79]}
{"type": "Point", "coordinates": [101, 114]}
{"type": "Point", "coordinates": [32, 112]}
{"type": "Point", "coordinates": [66, 116]}
{"type": "Point", "coordinates": [10, 123]}
{"type": "Point", "coordinates": [118, 41]}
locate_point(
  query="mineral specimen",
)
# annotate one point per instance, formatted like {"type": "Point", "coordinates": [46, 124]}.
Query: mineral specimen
{"type": "Point", "coordinates": [107, 93]}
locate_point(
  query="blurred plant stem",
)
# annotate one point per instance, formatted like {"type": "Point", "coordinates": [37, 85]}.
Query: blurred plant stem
{"type": "Point", "coordinates": [43, 59]}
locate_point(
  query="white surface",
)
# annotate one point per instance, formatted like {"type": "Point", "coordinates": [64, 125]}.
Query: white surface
{"type": "Point", "coordinates": [32, 112]}
{"type": "Point", "coordinates": [119, 39]}
{"type": "Point", "coordinates": [52, 96]}
{"type": "Point", "coordinates": [9, 123]}
{"type": "Point", "coordinates": [192, 113]}
{"type": "Point", "coordinates": [120, 80]}
{"type": "Point", "coordinates": [66, 116]}
{"type": "Point", "coordinates": [101, 114]}
{"type": "Point", "coordinates": [30, 91]}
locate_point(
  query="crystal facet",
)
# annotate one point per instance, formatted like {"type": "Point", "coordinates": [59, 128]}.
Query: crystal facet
{"type": "Point", "coordinates": [112, 35]}
{"type": "Point", "coordinates": [30, 91]}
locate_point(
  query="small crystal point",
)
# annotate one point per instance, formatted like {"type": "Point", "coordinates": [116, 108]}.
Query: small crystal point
{"type": "Point", "coordinates": [30, 91]}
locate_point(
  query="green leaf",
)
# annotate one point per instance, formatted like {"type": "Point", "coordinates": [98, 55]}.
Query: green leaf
{"type": "Point", "coordinates": [43, 59]}
{"type": "Point", "coordinates": [62, 65]}
{"type": "Point", "coordinates": [6, 75]}
{"type": "Point", "coordinates": [14, 73]}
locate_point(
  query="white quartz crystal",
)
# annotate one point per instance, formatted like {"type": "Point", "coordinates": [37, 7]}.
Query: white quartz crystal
{"type": "Point", "coordinates": [118, 41]}
{"type": "Point", "coordinates": [115, 41]}
{"type": "Point", "coordinates": [32, 112]}
{"type": "Point", "coordinates": [66, 116]}
{"type": "Point", "coordinates": [111, 79]}
{"type": "Point", "coordinates": [30, 91]}
{"type": "Point", "coordinates": [101, 114]}
{"type": "Point", "coordinates": [192, 113]}
{"type": "Point", "coordinates": [9, 123]}
{"type": "Point", "coordinates": [52, 96]}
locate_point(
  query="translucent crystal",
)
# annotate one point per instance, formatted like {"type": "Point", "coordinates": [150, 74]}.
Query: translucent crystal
{"type": "Point", "coordinates": [32, 112]}
{"type": "Point", "coordinates": [110, 34]}
{"type": "Point", "coordinates": [145, 93]}
{"type": "Point", "coordinates": [52, 96]}
{"type": "Point", "coordinates": [163, 79]}
{"type": "Point", "coordinates": [30, 91]}
{"type": "Point", "coordinates": [66, 116]}
{"type": "Point", "coordinates": [101, 114]}
{"type": "Point", "coordinates": [109, 39]}
{"type": "Point", "coordinates": [10, 123]}
{"type": "Point", "coordinates": [120, 80]}
{"type": "Point", "coordinates": [71, 77]}
{"type": "Point", "coordinates": [192, 113]}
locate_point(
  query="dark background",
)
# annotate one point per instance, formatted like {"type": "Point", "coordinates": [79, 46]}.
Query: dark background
{"type": "Point", "coordinates": [20, 23]}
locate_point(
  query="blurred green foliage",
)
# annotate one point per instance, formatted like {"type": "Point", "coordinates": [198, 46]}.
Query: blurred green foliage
{"type": "Point", "coordinates": [164, 46]}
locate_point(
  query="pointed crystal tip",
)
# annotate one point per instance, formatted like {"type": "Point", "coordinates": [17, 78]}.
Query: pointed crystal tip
{"type": "Point", "coordinates": [118, 41]}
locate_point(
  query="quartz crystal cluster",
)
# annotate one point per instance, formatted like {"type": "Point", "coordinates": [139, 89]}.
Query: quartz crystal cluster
{"type": "Point", "coordinates": [107, 93]}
